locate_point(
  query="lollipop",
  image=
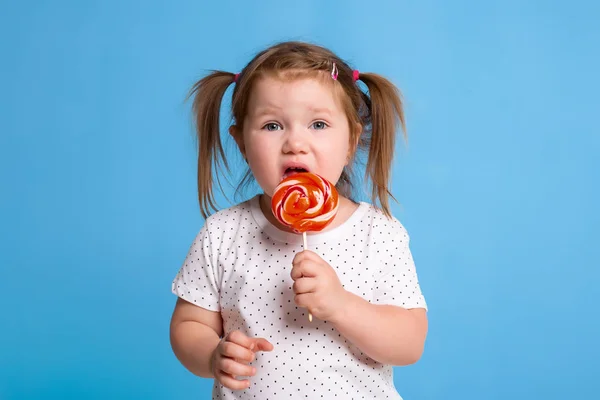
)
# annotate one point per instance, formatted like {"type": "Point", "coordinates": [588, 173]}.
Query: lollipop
{"type": "Point", "coordinates": [305, 202]}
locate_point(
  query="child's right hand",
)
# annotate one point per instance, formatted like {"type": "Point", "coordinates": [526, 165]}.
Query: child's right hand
{"type": "Point", "coordinates": [231, 356]}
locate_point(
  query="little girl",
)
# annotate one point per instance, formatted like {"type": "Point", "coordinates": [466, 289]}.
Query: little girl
{"type": "Point", "coordinates": [247, 286]}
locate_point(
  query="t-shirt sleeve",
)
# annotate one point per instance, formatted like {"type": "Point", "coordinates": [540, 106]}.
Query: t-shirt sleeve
{"type": "Point", "coordinates": [198, 279]}
{"type": "Point", "coordinates": [397, 282]}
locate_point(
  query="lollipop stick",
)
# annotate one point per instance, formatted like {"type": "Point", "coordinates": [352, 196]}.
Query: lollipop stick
{"type": "Point", "coordinates": [305, 247]}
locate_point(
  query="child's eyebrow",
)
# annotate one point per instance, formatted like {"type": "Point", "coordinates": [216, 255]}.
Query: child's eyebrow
{"type": "Point", "coordinates": [259, 112]}
{"type": "Point", "coordinates": [321, 110]}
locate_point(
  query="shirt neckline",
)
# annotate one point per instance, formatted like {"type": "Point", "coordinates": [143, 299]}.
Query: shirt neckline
{"type": "Point", "coordinates": [314, 238]}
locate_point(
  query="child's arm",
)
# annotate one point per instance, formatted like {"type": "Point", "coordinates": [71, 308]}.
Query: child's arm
{"type": "Point", "coordinates": [195, 333]}
{"type": "Point", "coordinates": [195, 338]}
{"type": "Point", "coordinates": [386, 333]}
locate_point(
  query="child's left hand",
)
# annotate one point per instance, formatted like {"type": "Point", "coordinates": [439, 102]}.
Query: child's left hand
{"type": "Point", "coordinates": [317, 286]}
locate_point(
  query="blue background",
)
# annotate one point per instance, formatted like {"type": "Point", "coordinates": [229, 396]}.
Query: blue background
{"type": "Point", "coordinates": [498, 185]}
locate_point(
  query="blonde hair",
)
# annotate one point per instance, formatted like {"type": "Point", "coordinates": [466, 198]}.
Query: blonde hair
{"type": "Point", "coordinates": [378, 113]}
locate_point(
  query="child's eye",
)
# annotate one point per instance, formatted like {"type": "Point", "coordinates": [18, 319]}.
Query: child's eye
{"type": "Point", "coordinates": [272, 126]}
{"type": "Point", "coordinates": [319, 125]}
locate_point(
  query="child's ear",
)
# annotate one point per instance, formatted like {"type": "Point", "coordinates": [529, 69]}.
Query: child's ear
{"type": "Point", "coordinates": [354, 146]}
{"type": "Point", "coordinates": [236, 133]}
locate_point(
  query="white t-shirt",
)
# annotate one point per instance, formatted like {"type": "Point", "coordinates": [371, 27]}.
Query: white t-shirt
{"type": "Point", "coordinates": [240, 263]}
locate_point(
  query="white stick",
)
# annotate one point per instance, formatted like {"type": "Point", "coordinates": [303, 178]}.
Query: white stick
{"type": "Point", "coordinates": [305, 247]}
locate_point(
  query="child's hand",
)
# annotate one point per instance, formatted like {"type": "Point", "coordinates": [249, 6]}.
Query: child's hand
{"type": "Point", "coordinates": [231, 356]}
{"type": "Point", "coordinates": [317, 286]}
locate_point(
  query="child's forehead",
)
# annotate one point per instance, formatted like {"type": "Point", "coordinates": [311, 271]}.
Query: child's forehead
{"type": "Point", "coordinates": [314, 90]}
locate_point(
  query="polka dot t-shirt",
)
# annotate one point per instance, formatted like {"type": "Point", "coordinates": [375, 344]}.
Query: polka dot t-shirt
{"type": "Point", "coordinates": [240, 263]}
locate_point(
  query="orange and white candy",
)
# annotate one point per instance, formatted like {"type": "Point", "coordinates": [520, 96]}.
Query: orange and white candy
{"type": "Point", "coordinates": [305, 202]}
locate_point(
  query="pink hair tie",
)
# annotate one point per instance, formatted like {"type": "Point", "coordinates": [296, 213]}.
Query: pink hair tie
{"type": "Point", "coordinates": [334, 72]}
{"type": "Point", "coordinates": [235, 77]}
{"type": "Point", "coordinates": [355, 75]}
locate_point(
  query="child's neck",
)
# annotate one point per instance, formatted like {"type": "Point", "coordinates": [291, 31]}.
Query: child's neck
{"type": "Point", "coordinates": [346, 209]}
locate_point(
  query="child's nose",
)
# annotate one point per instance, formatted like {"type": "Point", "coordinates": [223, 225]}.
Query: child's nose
{"type": "Point", "coordinates": [295, 141]}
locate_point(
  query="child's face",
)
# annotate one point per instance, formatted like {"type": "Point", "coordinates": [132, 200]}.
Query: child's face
{"type": "Point", "coordinates": [297, 123]}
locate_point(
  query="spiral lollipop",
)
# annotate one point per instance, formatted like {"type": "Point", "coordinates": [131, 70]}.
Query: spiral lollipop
{"type": "Point", "coordinates": [305, 202]}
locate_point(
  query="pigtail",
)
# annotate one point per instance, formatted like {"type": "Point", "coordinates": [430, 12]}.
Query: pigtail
{"type": "Point", "coordinates": [386, 113]}
{"type": "Point", "coordinates": [208, 94]}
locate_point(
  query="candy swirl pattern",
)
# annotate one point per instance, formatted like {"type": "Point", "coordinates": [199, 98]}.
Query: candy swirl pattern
{"type": "Point", "coordinates": [305, 202]}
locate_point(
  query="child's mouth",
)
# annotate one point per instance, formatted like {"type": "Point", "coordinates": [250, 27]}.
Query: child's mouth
{"type": "Point", "coordinates": [292, 171]}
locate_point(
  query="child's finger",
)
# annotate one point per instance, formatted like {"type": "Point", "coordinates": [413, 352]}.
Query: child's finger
{"type": "Point", "coordinates": [234, 368]}
{"type": "Point", "coordinates": [230, 382]}
{"type": "Point", "coordinates": [304, 285]}
{"type": "Point", "coordinates": [302, 300]}
{"type": "Point", "coordinates": [239, 338]}
{"type": "Point", "coordinates": [261, 344]}
{"type": "Point", "coordinates": [305, 255]}
{"type": "Point", "coordinates": [303, 269]}
{"type": "Point", "coordinates": [234, 350]}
